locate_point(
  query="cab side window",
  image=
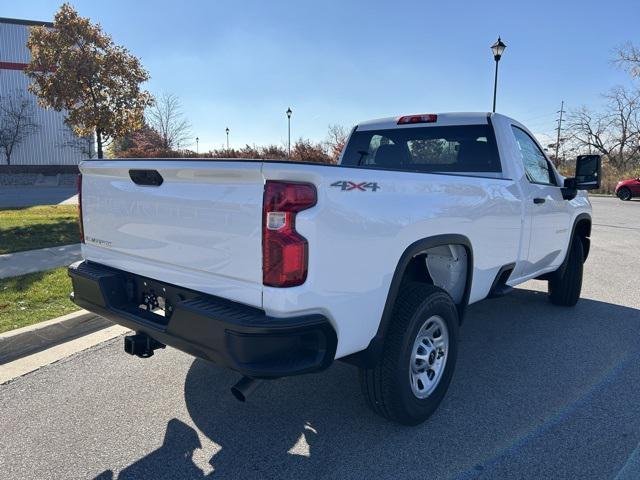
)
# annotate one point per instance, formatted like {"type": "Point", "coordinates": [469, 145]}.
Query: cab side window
{"type": "Point", "coordinates": [535, 163]}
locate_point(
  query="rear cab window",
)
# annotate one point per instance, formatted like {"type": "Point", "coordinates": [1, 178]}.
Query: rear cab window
{"type": "Point", "coordinates": [461, 149]}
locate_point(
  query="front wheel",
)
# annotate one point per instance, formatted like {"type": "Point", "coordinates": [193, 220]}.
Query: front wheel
{"type": "Point", "coordinates": [565, 285]}
{"type": "Point", "coordinates": [624, 194]}
{"type": "Point", "coordinates": [418, 358]}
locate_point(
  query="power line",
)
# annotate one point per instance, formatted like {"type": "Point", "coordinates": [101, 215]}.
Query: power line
{"type": "Point", "coordinates": [537, 117]}
{"type": "Point", "coordinates": [550, 124]}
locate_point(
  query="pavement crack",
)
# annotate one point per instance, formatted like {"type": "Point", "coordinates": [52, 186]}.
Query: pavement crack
{"type": "Point", "coordinates": [616, 226]}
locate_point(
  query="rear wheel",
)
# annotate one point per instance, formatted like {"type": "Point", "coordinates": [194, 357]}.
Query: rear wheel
{"type": "Point", "coordinates": [624, 194]}
{"type": "Point", "coordinates": [418, 358]}
{"type": "Point", "coordinates": [565, 285]}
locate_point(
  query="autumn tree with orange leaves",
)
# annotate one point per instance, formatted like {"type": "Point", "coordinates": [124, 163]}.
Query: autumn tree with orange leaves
{"type": "Point", "coordinates": [75, 67]}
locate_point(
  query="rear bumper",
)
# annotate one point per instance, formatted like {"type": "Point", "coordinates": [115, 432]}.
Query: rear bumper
{"type": "Point", "coordinates": [230, 334]}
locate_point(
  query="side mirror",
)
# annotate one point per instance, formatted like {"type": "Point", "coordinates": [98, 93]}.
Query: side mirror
{"type": "Point", "coordinates": [588, 172]}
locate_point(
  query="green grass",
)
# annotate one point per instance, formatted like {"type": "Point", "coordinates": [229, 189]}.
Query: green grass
{"type": "Point", "coordinates": [34, 297]}
{"type": "Point", "coordinates": [38, 227]}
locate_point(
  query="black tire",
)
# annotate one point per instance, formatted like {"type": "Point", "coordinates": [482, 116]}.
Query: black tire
{"type": "Point", "coordinates": [387, 386]}
{"type": "Point", "coordinates": [624, 194]}
{"type": "Point", "coordinates": [565, 285]}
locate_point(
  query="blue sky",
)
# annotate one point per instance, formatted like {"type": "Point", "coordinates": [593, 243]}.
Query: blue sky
{"type": "Point", "coordinates": [242, 63]}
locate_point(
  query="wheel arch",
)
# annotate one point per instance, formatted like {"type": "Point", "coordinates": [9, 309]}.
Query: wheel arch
{"type": "Point", "coordinates": [581, 228]}
{"type": "Point", "coordinates": [371, 354]}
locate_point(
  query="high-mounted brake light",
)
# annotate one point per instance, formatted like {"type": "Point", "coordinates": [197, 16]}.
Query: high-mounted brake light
{"type": "Point", "coordinates": [427, 118]}
{"type": "Point", "coordinates": [285, 253]}
{"type": "Point", "coordinates": [80, 222]}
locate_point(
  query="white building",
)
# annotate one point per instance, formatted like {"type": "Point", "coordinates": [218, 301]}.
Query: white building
{"type": "Point", "coordinates": [52, 143]}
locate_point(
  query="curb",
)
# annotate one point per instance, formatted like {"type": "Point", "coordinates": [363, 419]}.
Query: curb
{"type": "Point", "coordinates": [43, 325]}
{"type": "Point", "coordinates": [33, 339]}
{"type": "Point", "coordinates": [31, 363]}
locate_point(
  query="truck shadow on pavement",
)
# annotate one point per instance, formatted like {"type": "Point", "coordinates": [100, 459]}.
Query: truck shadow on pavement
{"type": "Point", "coordinates": [528, 376]}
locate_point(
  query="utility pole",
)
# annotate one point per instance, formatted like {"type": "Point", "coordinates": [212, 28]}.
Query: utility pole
{"type": "Point", "coordinates": [559, 128]}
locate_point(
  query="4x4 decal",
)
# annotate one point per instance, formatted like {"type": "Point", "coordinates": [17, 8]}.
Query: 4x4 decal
{"type": "Point", "coordinates": [346, 185]}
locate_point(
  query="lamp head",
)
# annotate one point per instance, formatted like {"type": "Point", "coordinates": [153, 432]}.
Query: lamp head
{"type": "Point", "coordinates": [498, 49]}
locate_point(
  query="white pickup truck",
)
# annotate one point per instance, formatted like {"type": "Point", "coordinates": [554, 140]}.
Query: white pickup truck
{"type": "Point", "coordinates": [276, 268]}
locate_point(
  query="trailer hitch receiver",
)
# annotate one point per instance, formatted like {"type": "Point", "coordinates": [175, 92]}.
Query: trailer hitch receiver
{"type": "Point", "coordinates": [141, 345]}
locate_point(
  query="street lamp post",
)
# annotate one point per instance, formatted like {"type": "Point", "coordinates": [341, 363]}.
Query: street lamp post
{"type": "Point", "coordinates": [289, 112]}
{"type": "Point", "coordinates": [227, 130]}
{"type": "Point", "coordinates": [497, 49]}
{"type": "Point", "coordinates": [197, 146]}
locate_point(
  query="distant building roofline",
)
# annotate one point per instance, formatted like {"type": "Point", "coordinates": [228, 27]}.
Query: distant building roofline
{"type": "Point", "coordinates": [30, 23]}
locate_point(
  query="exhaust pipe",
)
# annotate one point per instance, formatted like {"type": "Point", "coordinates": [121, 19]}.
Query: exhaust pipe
{"type": "Point", "coordinates": [141, 345]}
{"type": "Point", "coordinates": [244, 388]}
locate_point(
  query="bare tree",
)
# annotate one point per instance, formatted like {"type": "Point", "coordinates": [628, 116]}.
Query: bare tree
{"type": "Point", "coordinates": [167, 118]}
{"type": "Point", "coordinates": [16, 123]}
{"type": "Point", "coordinates": [81, 145]}
{"type": "Point", "coordinates": [628, 58]}
{"type": "Point", "coordinates": [614, 132]}
{"type": "Point", "coordinates": [336, 140]}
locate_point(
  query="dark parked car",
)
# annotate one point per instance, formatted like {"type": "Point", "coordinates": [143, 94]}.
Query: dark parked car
{"type": "Point", "coordinates": [627, 189]}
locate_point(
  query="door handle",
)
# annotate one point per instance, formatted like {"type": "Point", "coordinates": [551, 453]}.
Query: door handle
{"type": "Point", "coordinates": [539, 200]}
{"type": "Point", "coordinates": [146, 177]}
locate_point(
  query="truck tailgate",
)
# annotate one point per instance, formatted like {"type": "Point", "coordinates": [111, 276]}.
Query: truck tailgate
{"type": "Point", "coordinates": [199, 229]}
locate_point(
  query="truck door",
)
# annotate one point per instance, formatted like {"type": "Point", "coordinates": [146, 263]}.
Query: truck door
{"type": "Point", "coordinates": [547, 212]}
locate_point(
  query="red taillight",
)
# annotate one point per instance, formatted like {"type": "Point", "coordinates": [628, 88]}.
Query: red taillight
{"type": "Point", "coordinates": [429, 118]}
{"type": "Point", "coordinates": [80, 224]}
{"type": "Point", "coordinates": [285, 252]}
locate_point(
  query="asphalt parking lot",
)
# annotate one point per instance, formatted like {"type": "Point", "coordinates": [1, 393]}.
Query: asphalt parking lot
{"type": "Point", "coordinates": [539, 392]}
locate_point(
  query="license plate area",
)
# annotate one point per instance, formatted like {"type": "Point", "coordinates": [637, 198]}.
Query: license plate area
{"type": "Point", "coordinates": [152, 300]}
{"type": "Point", "coordinates": [155, 303]}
